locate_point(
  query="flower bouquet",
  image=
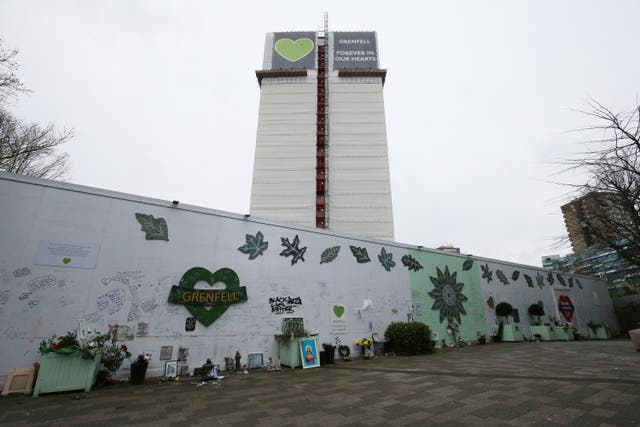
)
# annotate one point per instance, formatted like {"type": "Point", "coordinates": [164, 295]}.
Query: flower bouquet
{"type": "Point", "coordinates": [365, 344]}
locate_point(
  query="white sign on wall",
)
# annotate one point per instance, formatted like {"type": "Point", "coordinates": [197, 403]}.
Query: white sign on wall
{"type": "Point", "coordinates": [338, 319]}
{"type": "Point", "coordinates": [67, 254]}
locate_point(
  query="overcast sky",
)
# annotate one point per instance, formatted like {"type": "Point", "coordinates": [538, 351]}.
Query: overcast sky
{"type": "Point", "coordinates": [163, 99]}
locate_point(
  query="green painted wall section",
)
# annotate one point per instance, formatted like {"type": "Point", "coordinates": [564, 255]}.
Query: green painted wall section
{"type": "Point", "coordinates": [473, 322]}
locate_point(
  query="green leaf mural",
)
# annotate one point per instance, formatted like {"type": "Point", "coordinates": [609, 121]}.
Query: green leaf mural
{"type": "Point", "coordinates": [570, 282]}
{"type": "Point", "coordinates": [550, 278]}
{"type": "Point", "coordinates": [529, 280]}
{"type": "Point", "coordinates": [255, 245]}
{"type": "Point", "coordinates": [411, 263]}
{"type": "Point", "coordinates": [515, 275]}
{"type": "Point", "coordinates": [466, 266]}
{"type": "Point", "coordinates": [361, 254]}
{"type": "Point", "coordinates": [447, 295]}
{"type": "Point", "coordinates": [386, 259]}
{"type": "Point", "coordinates": [292, 249]}
{"type": "Point", "coordinates": [503, 279]}
{"type": "Point", "coordinates": [155, 228]}
{"type": "Point", "coordinates": [329, 254]}
{"type": "Point", "coordinates": [540, 280]}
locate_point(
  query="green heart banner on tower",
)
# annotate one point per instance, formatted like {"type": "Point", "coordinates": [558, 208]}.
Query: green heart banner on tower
{"type": "Point", "coordinates": [294, 50]}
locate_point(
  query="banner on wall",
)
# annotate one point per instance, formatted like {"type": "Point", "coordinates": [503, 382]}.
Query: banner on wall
{"type": "Point", "coordinates": [354, 50]}
{"type": "Point", "coordinates": [65, 254]}
{"type": "Point", "coordinates": [566, 308]}
{"type": "Point", "coordinates": [338, 319]}
{"type": "Point", "coordinates": [295, 50]}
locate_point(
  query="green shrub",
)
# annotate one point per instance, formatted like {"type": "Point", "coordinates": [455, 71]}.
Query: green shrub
{"type": "Point", "coordinates": [504, 309]}
{"type": "Point", "coordinates": [408, 338]}
{"type": "Point", "coordinates": [536, 310]}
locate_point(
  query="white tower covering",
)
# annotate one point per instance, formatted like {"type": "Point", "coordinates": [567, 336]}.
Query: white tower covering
{"type": "Point", "coordinates": [321, 147]}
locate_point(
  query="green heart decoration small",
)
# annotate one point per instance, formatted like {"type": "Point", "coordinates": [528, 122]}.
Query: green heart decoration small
{"type": "Point", "coordinates": [66, 260]}
{"type": "Point", "coordinates": [205, 315]}
{"type": "Point", "coordinates": [294, 50]}
{"type": "Point", "coordinates": [338, 310]}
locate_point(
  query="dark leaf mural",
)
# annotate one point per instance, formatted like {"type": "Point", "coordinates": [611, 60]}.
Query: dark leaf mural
{"type": "Point", "coordinates": [447, 295]}
{"type": "Point", "coordinates": [540, 280]}
{"type": "Point", "coordinates": [361, 254]}
{"type": "Point", "coordinates": [155, 228]}
{"type": "Point", "coordinates": [255, 245]}
{"type": "Point", "coordinates": [503, 279]}
{"type": "Point", "coordinates": [466, 266]}
{"type": "Point", "coordinates": [292, 249]}
{"type": "Point", "coordinates": [515, 275]}
{"type": "Point", "coordinates": [529, 280]}
{"type": "Point", "coordinates": [486, 273]}
{"type": "Point", "coordinates": [329, 254]}
{"type": "Point", "coordinates": [411, 263]}
{"type": "Point", "coordinates": [386, 259]}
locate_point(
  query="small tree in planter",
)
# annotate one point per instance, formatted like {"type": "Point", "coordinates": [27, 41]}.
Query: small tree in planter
{"type": "Point", "coordinates": [536, 310]}
{"type": "Point", "coordinates": [504, 309]}
{"type": "Point", "coordinates": [408, 338]}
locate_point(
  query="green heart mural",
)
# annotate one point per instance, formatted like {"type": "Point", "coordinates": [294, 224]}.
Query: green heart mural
{"type": "Point", "coordinates": [204, 304]}
{"type": "Point", "coordinates": [66, 260]}
{"type": "Point", "coordinates": [338, 310]}
{"type": "Point", "coordinates": [294, 50]}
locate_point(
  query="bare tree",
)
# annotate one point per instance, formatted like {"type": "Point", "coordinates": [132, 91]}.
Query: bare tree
{"type": "Point", "coordinates": [27, 148]}
{"type": "Point", "coordinates": [612, 163]}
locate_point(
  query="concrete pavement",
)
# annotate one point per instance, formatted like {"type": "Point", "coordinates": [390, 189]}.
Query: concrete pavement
{"type": "Point", "coordinates": [581, 383]}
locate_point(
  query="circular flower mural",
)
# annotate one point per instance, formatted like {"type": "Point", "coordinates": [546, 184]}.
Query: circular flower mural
{"type": "Point", "coordinates": [447, 295]}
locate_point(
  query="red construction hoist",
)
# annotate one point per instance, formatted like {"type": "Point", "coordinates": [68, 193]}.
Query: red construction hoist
{"type": "Point", "coordinates": [321, 133]}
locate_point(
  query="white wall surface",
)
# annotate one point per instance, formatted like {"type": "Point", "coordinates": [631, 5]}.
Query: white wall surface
{"type": "Point", "coordinates": [143, 271]}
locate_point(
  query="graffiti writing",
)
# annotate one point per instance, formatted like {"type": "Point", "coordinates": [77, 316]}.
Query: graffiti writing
{"type": "Point", "coordinates": [21, 272]}
{"type": "Point", "coordinates": [282, 305]}
{"type": "Point", "coordinates": [42, 282]}
{"type": "Point", "coordinates": [112, 301]}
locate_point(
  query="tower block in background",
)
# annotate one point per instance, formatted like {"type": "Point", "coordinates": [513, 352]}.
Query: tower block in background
{"type": "Point", "coordinates": [321, 155]}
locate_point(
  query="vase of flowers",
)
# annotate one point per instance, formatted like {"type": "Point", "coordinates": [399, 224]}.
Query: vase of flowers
{"type": "Point", "coordinates": [139, 369]}
{"type": "Point", "coordinates": [365, 345]}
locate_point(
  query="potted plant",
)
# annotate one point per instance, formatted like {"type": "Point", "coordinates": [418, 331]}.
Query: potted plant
{"type": "Point", "coordinates": [139, 369]}
{"type": "Point", "coordinates": [292, 332]}
{"type": "Point", "coordinates": [504, 309]}
{"type": "Point", "coordinates": [329, 351]}
{"type": "Point", "coordinates": [536, 310]}
{"type": "Point", "coordinates": [345, 352]}
{"type": "Point", "coordinates": [507, 332]}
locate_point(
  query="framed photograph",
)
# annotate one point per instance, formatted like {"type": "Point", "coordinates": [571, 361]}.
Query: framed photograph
{"type": "Point", "coordinates": [255, 360]}
{"type": "Point", "coordinates": [171, 368]}
{"type": "Point", "coordinates": [309, 353]}
{"type": "Point", "coordinates": [166, 352]}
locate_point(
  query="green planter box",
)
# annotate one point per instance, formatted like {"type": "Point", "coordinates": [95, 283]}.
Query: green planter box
{"type": "Point", "coordinates": [512, 333]}
{"type": "Point", "coordinates": [290, 352]}
{"type": "Point", "coordinates": [599, 332]}
{"type": "Point", "coordinates": [559, 333]}
{"type": "Point", "coordinates": [66, 372]}
{"type": "Point", "coordinates": [543, 331]}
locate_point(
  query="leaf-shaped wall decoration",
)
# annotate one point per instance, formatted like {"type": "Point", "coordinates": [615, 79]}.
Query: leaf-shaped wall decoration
{"type": "Point", "coordinates": [255, 245]}
{"type": "Point", "coordinates": [578, 283]}
{"type": "Point", "coordinates": [361, 254]}
{"type": "Point", "coordinates": [561, 279]}
{"type": "Point", "coordinates": [466, 266]}
{"type": "Point", "coordinates": [503, 279]}
{"type": "Point", "coordinates": [570, 282]}
{"type": "Point", "coordinates": [386, 259]}
{"type": "Point", "coordinates": [486, 273]}
{"type": "Point", "coordinates": [411, 263]}
{"type": "Point", "coordinates": [155, 228]}
{"type": "Point", "coordinates": [550, 278]}
{"type": "Point", "coordinates": [292, 249]}
{"type": "Point", "coordinates": [515, 275]}
{"type": "Point", "coordinates": [540, 280]}
{"type": "Point", "coordinates": [329, 254]}
{"type": "Point", "coordinates": [529, 280]}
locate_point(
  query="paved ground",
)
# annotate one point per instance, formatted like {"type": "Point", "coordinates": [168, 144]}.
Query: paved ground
{"type": "Point", "coordinates": [585, 383]}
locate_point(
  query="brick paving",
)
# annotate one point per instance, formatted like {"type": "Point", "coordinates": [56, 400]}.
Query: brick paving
{"type": "Point", "coordinates": [581, 383]}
